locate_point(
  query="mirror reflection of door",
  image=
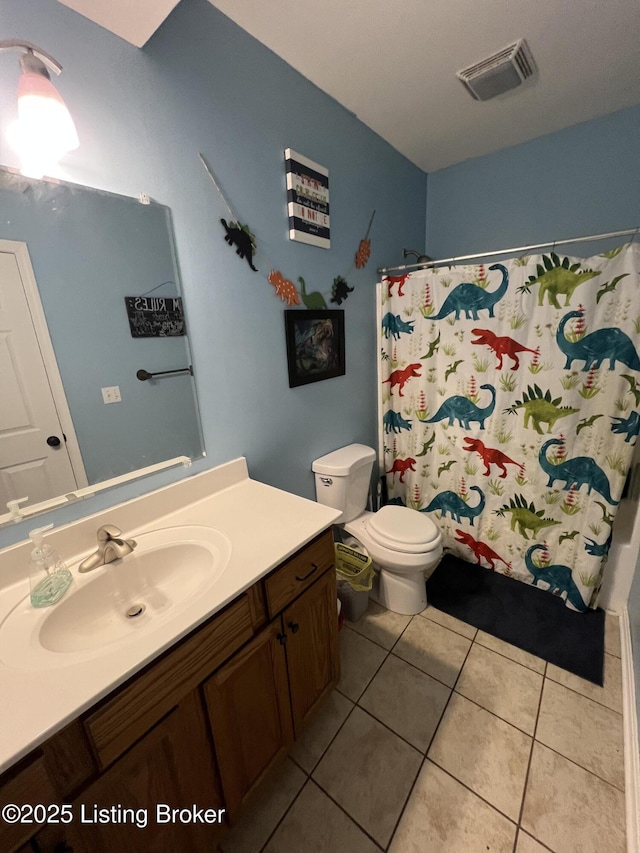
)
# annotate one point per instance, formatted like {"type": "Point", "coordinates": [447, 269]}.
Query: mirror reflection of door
{"type": "Point", "coordinates": [38, 447]}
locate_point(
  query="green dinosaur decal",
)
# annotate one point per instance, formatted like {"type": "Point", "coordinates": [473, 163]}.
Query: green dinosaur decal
{"type": "Point", "coordinates": [556, 278]}
{"type": "Point", "coordinates": [540, 408]}
{"type": "Point", "coordinates": [311, 300]}
{"type": "Point", "coordinates": [525, 516]}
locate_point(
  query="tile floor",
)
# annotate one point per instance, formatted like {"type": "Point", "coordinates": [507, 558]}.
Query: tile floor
{"type": "Point", "coordinates": [443, 739]}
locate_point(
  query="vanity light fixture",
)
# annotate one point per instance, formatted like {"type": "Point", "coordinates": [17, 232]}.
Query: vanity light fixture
{"type": "Point", "coordinates": [44, 131]}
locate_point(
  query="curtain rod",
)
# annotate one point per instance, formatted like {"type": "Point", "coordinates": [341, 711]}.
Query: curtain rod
{"type": "Point", "coordinates": [517, 251]}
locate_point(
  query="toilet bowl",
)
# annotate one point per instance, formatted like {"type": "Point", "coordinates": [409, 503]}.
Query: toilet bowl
{"type": "Point", "coordinates": [405, 545]}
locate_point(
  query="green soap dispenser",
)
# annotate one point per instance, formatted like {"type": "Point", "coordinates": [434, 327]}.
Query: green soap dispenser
{"type": "Point", "coordinates": [49, 578]}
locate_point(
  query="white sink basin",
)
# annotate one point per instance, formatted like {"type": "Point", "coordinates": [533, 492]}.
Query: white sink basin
{"type": "Point", "coordinates": [169, 570]}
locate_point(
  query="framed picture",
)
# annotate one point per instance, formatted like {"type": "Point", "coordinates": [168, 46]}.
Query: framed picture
{"type": "Point", "coordinates": [315, 345]}
{"type": "Point", "coordinates": [307, 200]}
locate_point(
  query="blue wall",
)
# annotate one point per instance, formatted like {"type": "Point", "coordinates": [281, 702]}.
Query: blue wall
{"type": "Point", "coordinates": [580, 181]}
{"type": "Point", "coordinates": [203, 85]}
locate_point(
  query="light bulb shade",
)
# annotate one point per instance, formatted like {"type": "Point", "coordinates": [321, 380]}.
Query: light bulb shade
{"type": "Point", "coordinates": [45, 130]}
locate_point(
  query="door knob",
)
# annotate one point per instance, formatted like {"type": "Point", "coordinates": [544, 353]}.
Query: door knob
{"type": "Point", "coordinates": [53, 441]}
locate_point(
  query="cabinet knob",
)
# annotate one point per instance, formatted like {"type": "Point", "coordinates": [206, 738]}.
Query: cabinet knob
{"type": "Point", "coordinates": [308, 575]}
{"type": "Point", "coordinates": [282, 638]}
{"type": "Point", "coordinates": [53, 441]}
{"type": "Point", "coordinates": [294, 627]}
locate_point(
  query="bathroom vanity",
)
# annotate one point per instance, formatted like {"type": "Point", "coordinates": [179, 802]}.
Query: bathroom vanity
{"type": "Point", "coordinates": [196, 723]}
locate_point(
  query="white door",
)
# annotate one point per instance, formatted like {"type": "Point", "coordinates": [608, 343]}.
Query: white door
{"type": "Point", "coordinates": [34, 460]}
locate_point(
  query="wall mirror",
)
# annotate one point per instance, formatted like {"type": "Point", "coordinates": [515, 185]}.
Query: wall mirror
{"type": "Point", "coordinates": [73, 412]}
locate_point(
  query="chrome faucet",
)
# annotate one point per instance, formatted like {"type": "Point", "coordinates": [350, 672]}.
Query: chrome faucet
{"type": "Point", "coordinates": [110, 548]}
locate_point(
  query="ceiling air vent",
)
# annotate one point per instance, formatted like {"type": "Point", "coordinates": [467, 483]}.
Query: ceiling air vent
{"type": "Point", "coordinates": [495, 75]}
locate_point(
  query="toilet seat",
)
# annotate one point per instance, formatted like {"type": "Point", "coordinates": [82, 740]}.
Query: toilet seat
{"type": "Point", "coordinates": [402, 529]}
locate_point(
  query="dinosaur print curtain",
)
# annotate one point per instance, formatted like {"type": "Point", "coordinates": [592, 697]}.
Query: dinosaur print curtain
{"type": "Point", "coordinates": [511, 404]}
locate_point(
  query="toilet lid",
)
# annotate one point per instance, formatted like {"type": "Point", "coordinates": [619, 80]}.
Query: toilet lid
{"type": "Point", "coordinates": [403, 529]}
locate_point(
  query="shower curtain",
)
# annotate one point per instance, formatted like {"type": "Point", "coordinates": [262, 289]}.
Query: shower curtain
{"type": "Point", "coordinates": [510, 406]}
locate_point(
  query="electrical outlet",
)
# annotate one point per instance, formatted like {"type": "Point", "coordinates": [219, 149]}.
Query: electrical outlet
{"type": "Point", "coordinates": [111, 394]}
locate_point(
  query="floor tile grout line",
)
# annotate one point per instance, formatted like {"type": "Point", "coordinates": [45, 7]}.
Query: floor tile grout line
{"type": "Point", "coordinates": [326, 749]}
{"type": "Point", "coordinates": [344, 811]}
{"type": "Point", "coordinates": [388, 727]}
{"type": "Point", "coordinates": [475, 793]}
{"type": "Point", "coordinates": [573, 690]}
{"type": "Point", "coordinates": [526, 666]}
{"type": "Point", "coordinates": [537, 840]}
{"type": "Point", "coordinates": [584, 696]}
{"type": "Point", "coordinates": [581, 766]}
{"type": "Point", "coordinates": [493, 714]}
{"type": "Point", "coordinates": [527, 774]}
{"type": "Point", "coordinates": [435, 621]}
{"type": "Point", "coordinates": [371, 640]}
{"type": "Point", "coordinates": [424, 672]}
{"type": "Point", "coordinates": [286, 811]}
{"type": "Point", "coordinates": [425, 757]}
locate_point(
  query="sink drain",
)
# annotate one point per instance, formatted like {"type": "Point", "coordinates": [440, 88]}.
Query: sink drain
{"type": "Point", "coordinates": [135, 610]}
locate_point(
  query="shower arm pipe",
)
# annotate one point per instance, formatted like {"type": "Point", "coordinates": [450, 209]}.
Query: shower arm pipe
{"type": "Point", "coordinates": [520, 250]}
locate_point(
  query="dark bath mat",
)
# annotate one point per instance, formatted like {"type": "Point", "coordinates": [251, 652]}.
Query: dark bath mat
{"type": "Point", "coordinates": [520, 614]}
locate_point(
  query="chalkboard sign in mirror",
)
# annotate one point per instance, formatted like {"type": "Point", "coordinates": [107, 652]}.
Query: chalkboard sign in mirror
{"type": "Point", "coordinates": [155, 316]}
{"type": "Point", "coordinates": [78, 252]}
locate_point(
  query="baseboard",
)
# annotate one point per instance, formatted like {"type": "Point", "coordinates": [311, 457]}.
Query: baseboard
{"type": "Point", "coordinates": [631, 753]}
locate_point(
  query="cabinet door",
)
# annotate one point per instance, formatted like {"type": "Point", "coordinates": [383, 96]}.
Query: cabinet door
{"type": "Point", "coordinates": [248, 704]}
{"type": "Point", "coordinates": [311, 625]}
{"type": "Point", "coordinates": [171, 766]}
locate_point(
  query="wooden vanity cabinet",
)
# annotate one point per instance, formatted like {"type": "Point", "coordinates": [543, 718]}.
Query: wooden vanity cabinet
{"type": "Point", "coordinates": [200, 726]}
{"type": "Point", "coordinates": [261, 700]}
{"type": "Point", "coordinates": [310, 624]}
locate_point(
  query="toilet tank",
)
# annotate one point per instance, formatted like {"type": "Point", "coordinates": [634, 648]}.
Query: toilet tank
{"type": "Point", "coordinates": [342, 479]}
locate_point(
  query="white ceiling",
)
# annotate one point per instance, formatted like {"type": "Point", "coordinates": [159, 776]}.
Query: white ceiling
{"type": "Point", "coordinates": [394, 64]}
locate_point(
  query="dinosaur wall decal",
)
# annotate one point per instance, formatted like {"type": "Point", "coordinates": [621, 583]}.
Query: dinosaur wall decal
{"type": "Point", "coordinates": [314, 300]}
{"type": "Point", "coordinates": [471, 298]}
{"type": "Point", "coordinates": [558, 578]}
{"type": "Point", "coordinates": [610, 344]}
{"type": "Point", "coordinates": [285, 289]}
{"type": "Point", "coordinates": [450, 503]}
{"type": "Point", "coordinates": [579, 471]}
{"type": "Point", "coordinates": [463, 410]}
{"type": "Point", "coordinates": [241, 237]}
{"type": "Point", "coordinates": [340, 290]}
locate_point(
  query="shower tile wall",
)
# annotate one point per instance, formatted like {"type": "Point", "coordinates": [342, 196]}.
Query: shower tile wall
{"type": "Point", "coordinates": [444, 739]}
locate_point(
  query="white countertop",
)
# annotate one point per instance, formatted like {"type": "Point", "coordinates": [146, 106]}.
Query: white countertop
{"type": "Point", "coordinates": [264, 525]}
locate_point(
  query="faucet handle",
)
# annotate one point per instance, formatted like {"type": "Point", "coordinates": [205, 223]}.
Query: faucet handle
{"type": "Point", "coordinates": [108, 531]}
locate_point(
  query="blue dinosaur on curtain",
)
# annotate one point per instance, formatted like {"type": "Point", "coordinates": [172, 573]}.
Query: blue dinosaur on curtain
{"type": "Point", "coordinates": [510, 407]}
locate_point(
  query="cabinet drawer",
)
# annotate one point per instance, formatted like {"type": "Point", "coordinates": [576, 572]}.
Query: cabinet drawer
{"type": "Point", "coordinates": [138, 706]}
{"type": "Point", "coordinates": [28, 785]}
{"type": "Point", "coordinates": [303, 569]}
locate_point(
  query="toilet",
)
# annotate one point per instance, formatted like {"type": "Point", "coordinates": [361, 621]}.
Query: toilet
{"type": "Point", "coordinates": [405, 545]}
